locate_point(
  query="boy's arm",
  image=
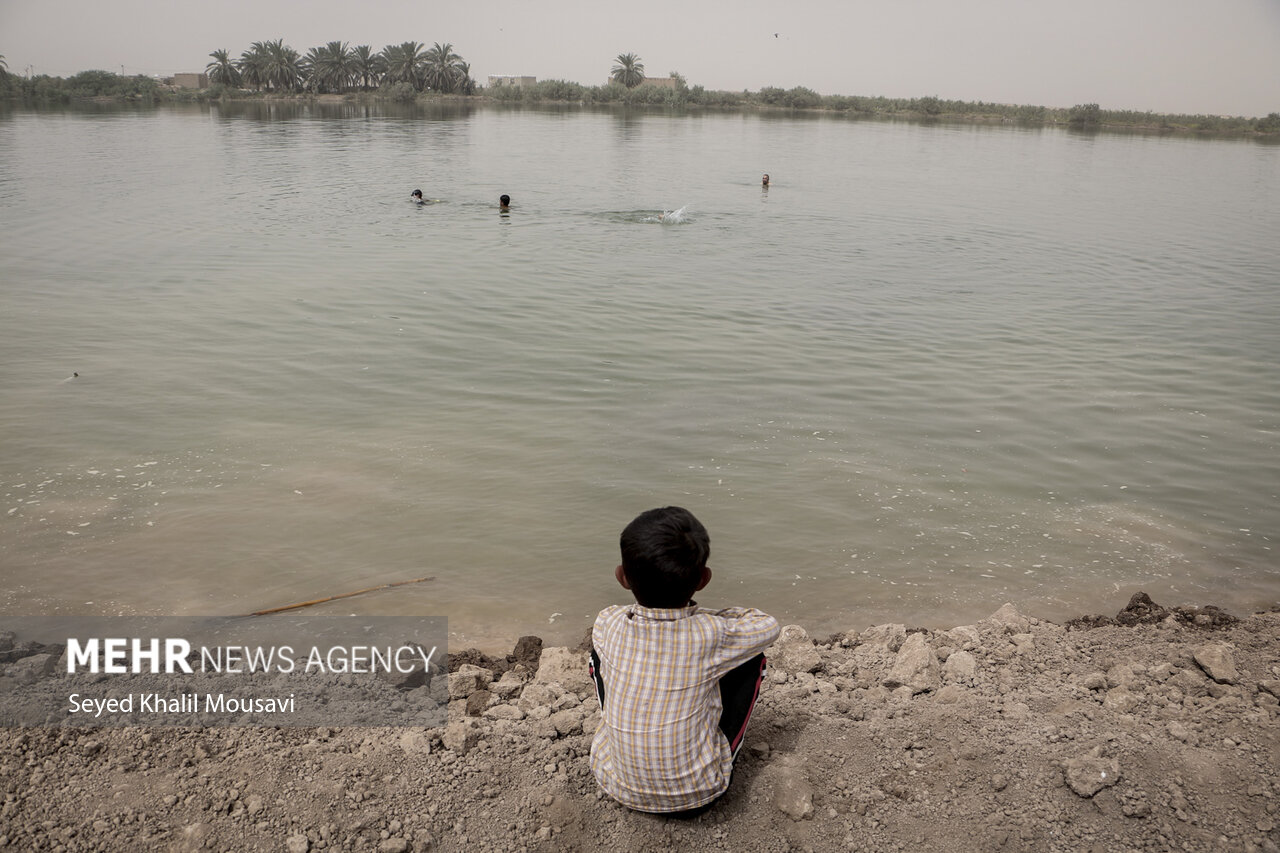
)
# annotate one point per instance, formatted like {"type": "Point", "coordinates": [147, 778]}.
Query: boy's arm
{"type": "Point", "coordinates": [747, 633]}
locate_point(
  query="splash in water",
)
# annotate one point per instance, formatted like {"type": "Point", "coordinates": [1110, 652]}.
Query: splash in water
{"type": "Point", "coordinates": [675, 217]}
{"type": "Point", "coordinates": [669, 217]}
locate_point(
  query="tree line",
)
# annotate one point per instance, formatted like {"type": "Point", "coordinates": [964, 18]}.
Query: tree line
{"type": "Point", "coordinates": [404, 71]}
{"type": "Point", "coordinates": [337, 68]}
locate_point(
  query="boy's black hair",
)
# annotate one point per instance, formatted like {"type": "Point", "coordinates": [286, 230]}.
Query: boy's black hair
{"type": "Point", "coordinates": [663, 554]}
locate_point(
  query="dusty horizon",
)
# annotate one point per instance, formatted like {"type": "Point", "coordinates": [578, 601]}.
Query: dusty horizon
{"type": "Point", "coordinates": [1164, 56]}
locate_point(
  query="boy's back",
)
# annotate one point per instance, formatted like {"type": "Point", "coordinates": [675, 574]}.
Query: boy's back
{"type": "Point", "coordinates": [659, 747]}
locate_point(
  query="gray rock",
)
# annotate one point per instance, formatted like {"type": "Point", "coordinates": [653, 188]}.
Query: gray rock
{"type": "Point", "coordinates": [960, 668]}
{"type": "Point", "coordinates": [892, 636]}
{"type": "Point", "coordinates": [565, 667]}
{"type": "Point", "coordinates": [504, 712]}
{"type": "Point", "coordinates": [1121, 700]}
{"type": "Point", "coordinates": [509, 685]}
{"type": "Point", "coordinates": [297, 843]}
{"type": "Point", "coordinates": [395, 844]}
{"type": "Point", "coordinates": [567, 722]}
{"type": "Point", "coordinates": [31, 669]}
{"type": "Point", "coordinates": [1218, 663]}
{"type": "Point", "coordinates": [916, 667]}
{"type": "Point", "coordinates": [1191, 681]}
{"type": "Point", "coordinates": [544, 729]}
{"type": "Point", "coordinates": [477, 702]}
{"type": "Point", "coordinates": [794, 652]}
{"type": "Point", "coordinates": [467, 680]}
{"type": "Point", "coordinates": [1009, 620]}
{"type": "Point", "coordinates": [417, 676]}
{"type": "Point", "coordinates": [965, 637]}
{"type": "Point", "coordinates": [1094, 681]}
{"type": "Point", "coordinates": [1121, 675]}
{"type": "Point", "coordinates": [461, 737]}
{"type": "Point", "coordinates": [538, 695]}
{"type": "Point", "coordinates": [191, 838]}
{"type": "Point", "coordinates": [793, 795]}
{"type": "Point", "coordinates": [1089, 774]}
{"type": "Point", "coordinates": [948, 695]}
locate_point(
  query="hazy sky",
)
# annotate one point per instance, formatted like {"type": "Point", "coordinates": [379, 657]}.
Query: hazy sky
{"type": "Point", "coordinates": [1180, 56]}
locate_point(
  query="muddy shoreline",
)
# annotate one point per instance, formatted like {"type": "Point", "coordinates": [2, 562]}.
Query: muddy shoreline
{"type": "Point", "coordinates": [1153, 729]}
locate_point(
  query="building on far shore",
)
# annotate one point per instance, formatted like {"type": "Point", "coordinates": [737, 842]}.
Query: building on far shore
{"type": "Point", "coordinates": [496, 80]}
{"type": "Point", "coordinates": [191, 81]}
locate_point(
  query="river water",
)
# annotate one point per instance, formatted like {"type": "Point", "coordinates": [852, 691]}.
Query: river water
{"type": "Point", "coordinates": [931, 369]}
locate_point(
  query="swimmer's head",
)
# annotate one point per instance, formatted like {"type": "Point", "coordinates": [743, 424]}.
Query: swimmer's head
{"type": "Point", "coordinates": [504, 200]}
{"type": "Point", "coordinates": [765, 180]}
{"type": "Point", "coordinates": [417, 194]}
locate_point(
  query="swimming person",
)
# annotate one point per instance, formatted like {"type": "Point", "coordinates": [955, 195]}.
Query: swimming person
{"type": "Point", "coordinates": [764, 182]}
{"type": "Point", "coordinates": [416, 195]}
{"type": "Point", "coordinates": [504, 203]}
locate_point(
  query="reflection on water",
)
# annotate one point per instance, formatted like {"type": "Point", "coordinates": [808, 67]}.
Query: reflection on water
{"type": "Point", "coordinates": [326, 110]}
{"type": "Point", "coordinates": [943, 367]}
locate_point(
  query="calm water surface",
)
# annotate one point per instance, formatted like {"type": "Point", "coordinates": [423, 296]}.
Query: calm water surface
{"type": "Point", "coordinates": [931, 370]}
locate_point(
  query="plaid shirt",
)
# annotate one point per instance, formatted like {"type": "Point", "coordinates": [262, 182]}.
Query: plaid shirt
{"type": "Point", "coordinates": [659, 747]}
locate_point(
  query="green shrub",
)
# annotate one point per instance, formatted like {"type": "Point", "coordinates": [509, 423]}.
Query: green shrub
{"type": "Point", "coordinates": [1084, 114]}
{"type": "Point", "coordinates": [558, 90]}
{"type": "Point", "coordinates": [402, 91]}
{"type": "Point", "coordinates": [802, 98]}
{"type": "Point", "coordinates": [929, 105]}
{"type": "Point", "coordinates": [772, 95]}
{"type": "Point", "coordinates": [505, 94]}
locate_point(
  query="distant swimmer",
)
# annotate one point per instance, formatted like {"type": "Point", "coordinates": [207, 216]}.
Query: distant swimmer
{"type": "Point", "coordinates": [416, 195]}
{"type": "Point", "coordinates": [504, 203]}
{"type": "Point", "coordinates": [764, 182]}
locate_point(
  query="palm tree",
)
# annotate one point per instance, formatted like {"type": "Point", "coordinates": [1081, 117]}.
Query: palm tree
{"type": "Point", "coordinates": [467, 84]}
{"type": "Point", "coordinates": [405, 63]}
{"type": "Point", "coordinates": [253, 66]}
{"type": "Point", "coordinates": [341, 64]}
{"type": "Point", "coordinates": [4, 67]}
{"type": "Point", "coordinates": [329, 68]}
{"type": "Point", "coordinates": [367, 65]}
{"type": "Point", "coordinates": [309, 66]}
{"type": "Point", "coordinates": [629, 71]}
{"type": "Point", "coordinates": [441, 68]}
{"type": "Point", "coordinates": [223, 69]}
{"type": "Point", "coordinates": [284, 65]}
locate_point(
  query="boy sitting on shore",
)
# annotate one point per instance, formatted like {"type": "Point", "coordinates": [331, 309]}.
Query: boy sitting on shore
{"type": "Point", "coordinates": [676, 682]}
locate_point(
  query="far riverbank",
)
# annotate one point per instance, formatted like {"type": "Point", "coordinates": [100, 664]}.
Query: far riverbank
{"type": "Point", "coordinates": [102, 86]}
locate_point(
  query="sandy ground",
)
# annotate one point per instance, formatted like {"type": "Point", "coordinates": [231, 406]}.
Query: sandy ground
{"type": "Point", "coordinates": [1153, 730]}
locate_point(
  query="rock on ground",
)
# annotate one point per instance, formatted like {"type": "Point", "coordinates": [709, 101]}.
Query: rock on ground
{"type": "Point", "coordinates": [1160, 731]}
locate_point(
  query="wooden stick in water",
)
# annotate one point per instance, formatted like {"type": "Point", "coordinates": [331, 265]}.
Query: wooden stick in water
{"type": "Point", "coordinates": [336, 597]}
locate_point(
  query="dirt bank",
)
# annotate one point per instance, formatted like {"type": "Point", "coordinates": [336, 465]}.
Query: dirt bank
{"type": "Point", "coordinates": [1011, 734]}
